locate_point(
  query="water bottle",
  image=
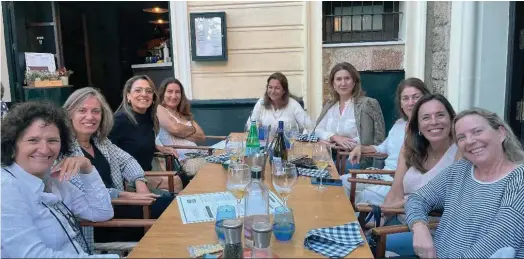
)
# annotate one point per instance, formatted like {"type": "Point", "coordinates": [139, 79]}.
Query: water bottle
{"type": "Point", "coordinates": [256, 204]}
{"type": "Point", "coordinates": [252, 143]}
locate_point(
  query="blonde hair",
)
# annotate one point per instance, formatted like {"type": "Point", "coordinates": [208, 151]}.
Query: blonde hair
{"type": "Point", "coordinates": [511, 145]}
{"type": "Point", "coordinates": [79, 96]}
{"type": "Point", "coordinates": [126, 108]}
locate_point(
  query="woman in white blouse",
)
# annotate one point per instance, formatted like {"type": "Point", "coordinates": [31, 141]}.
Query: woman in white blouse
{"type": "Point", "coordinates": [40, 206]}
{"type": "Point", "coordinates": [350, 118]}
{"type": "Point", "coordinates": [279, 104]}
{"type": "Point", "coordinates": [408, 92]}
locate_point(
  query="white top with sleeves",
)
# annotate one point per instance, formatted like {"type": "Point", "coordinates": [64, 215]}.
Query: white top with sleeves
{"type": "Point", "coordinates": [392, 145]}
{"type": "Point", "coordinates": [29, 228]}
{"type": "Point", "coordinates": [293, 112]}
{"type": "Point", "coordinates": [334, 123]}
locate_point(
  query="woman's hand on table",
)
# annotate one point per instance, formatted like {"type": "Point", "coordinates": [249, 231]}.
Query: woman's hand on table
{"type": "Point", "coordinates": [345, 142]}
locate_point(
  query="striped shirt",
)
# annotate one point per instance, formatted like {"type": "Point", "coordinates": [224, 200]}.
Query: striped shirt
{"type": "Point", "coordinates": [479, 218]}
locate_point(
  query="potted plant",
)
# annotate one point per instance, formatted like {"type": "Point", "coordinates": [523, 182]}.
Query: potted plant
{"type": "Point", "coordinates": [31, 76]}
{"type": "Point", "coordinates": [64, 74]}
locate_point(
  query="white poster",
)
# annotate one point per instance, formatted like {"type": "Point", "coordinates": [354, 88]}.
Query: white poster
{"type": "Point", "coordinates": [197, 208]}
{"type": "Point", "coordinates": [208, 36]}
{"type": "Point", "coordinates": [33, 59]}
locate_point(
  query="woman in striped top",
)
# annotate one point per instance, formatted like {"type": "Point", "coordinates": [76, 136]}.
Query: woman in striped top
{"type": "Point", "coordinates": [481, 195]}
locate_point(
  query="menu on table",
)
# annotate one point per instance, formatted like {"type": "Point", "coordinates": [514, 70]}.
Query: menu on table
{"type": "Point", "coordinates": [196, 208]}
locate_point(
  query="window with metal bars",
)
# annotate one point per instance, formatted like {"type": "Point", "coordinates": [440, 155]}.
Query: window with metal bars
{"type": "Point", "coordinates": [360, 21]}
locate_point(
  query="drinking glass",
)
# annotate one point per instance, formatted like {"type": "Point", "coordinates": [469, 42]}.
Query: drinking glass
{"type": "Point", "coordinates": [284, 179]}
{"type": "Point", "coordinates": [237, 179]}
{"type": "Point", "coordinates": [321, 157]}
{"type": "Point", "coordinates": [235, 147]}
{"type": "Point", "coordinates": [283, 224]}
{"type": "Point", "coordinates": [291, 132]}
{"type": "Point", "coordinates": [223, 212]}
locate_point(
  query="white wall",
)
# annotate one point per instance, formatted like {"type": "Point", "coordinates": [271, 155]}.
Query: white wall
{"type": "Point", "coordinates": [4, 76]}
{"type": "Point", "coordinates": [478, 55]}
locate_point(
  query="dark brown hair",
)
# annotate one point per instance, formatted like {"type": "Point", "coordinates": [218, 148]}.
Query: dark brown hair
{"type": "Point", "coordinates": [283, 81]}
{"type": "Point", "coordinates": [416, 145]}
{"type": "Point", "coordinates": [355, 75]}
{"type": "Point", "coordinates": [22, 115]}
{"type": "Point", "coordinates": [126, 108]}
{"type": "Point", "coordinates": [183, 107]}
{"type": "Point", "coordinates": [409, 82]}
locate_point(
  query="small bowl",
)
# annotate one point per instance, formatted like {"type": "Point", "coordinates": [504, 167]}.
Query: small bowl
{"type": "Point", "coordinates": [225, 164]}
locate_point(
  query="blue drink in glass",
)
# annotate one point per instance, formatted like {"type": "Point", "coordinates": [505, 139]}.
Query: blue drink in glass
{"type": "Point", "coordinates": [284, 231]}
{"type": "Point", "coordinates": [223, 212]}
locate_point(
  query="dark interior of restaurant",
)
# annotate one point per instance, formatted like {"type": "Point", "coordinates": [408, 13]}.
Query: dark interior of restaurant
{"type": "Point", "coordinates": [118, 36]}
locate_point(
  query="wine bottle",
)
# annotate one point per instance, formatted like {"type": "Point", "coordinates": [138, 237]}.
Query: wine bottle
{"type": "Point", "coordinates": [279, 148]}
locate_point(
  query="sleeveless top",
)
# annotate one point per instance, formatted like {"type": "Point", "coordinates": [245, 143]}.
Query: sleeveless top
{"type": "Point", "coordinates": [164, 138]}
{"type": "Point", "coordinates": [414, 180]}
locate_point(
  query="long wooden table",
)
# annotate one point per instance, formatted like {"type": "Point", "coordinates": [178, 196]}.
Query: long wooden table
{"type": "Point", "coordinates": [170, 238]}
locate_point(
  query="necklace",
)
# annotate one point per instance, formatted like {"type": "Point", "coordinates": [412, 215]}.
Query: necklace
{"type": "Point", "coordinates": [86, 147]}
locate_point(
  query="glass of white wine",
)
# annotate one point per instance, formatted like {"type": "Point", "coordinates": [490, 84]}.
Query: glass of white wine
{"type": "Point", "coordinates": [321, 157]}
{"type": "Point", "coordinates": [235, 147]}
{"type": "Point", "coordinates": [291, 132]}
{"type": "Point", "coordinates": [237, 179]}
{"type": "Point", "coordinates": [284, 179]}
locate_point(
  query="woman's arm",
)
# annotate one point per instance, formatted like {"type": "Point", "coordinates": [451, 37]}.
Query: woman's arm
{"type": "Point", "coordinates": [301, 117]}
{"type": "Point", "coordinates": [256, 113]}
{"type": "Point", "coordinates": [395, 196]}
{"type": "Point", "coordinates": [321, 130]}
{"type": "Point", "coordinates": [94, 203]}
{"type": "Point", "coordinates": [129, 167]}
{"type": "Point", "coordinates": [171, 125]}
{"type": "Point", "coordinates": [199, 133]}
{"type": "Point", "coordinates": [20, 236]}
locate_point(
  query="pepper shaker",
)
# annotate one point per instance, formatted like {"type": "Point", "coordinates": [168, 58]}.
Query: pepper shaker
{"type": "Point", "coordinates": [233, 239]}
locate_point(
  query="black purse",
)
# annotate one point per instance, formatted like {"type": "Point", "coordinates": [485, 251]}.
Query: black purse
{"type": "Point", "coordinates": [376, 214]}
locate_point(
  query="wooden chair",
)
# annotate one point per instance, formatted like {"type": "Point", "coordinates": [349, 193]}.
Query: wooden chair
{"type": "Point", "coordinates": [146, 222]}
{"type": "Point", "coordinates": [342, 156]}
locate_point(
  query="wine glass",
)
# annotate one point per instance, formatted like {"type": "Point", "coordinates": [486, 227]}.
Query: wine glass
{"type": "Point", "coordinates": [321, 157]}
{"type": "Point", "coordinates": [284, 178]}
{"type": "Point", "coordinates": [291, 132]}
{"type": "Point", "coordinates": [237, 179]}
{"type": "Point", "coordinates": [234, 148]}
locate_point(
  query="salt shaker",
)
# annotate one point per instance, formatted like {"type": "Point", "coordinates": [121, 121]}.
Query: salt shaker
{"type": "Point", "coordinates": [261, 241]}
{"type": "Point", "coordinates": [233, 239]}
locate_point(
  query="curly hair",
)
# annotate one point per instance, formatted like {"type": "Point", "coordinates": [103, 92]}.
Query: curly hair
{"type": "Point", "coordinates": [18, 119]}
{"type": "Point", "coordinates": [416, 145]}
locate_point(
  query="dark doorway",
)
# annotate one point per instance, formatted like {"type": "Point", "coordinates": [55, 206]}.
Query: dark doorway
{"type": "Point", "coordinates": [515, 93]}
{"type": "Point", "coordinates": [101, 40]}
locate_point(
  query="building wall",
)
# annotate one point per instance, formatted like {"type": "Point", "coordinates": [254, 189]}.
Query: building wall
{"type": "Point", "coordinates": [364, 58]}
{"type": "Point", "coordinates": [4, 76]}
{"type": "Point", "coordinates": [262, 38]}
{"type": "Point", "coordinates": [437, 44]}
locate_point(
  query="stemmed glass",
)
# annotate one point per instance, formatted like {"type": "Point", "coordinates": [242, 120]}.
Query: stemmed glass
{"type": "Point", "coordinates": [237, 179]}
{"type": "Point", "coordinates": [235, 147]}
{"type": "Point", "coordinates": [291, 132]}
{"type": "Point", "coordinates": [284, 178]}
{"type": "Point", "coordinates": [321, 157]}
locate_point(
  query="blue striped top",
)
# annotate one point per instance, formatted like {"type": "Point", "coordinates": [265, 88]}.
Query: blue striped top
{"type": "Point", "coordinates": [479, 218]}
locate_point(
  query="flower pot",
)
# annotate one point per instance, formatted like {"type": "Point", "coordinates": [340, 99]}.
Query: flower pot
{"type": "Point", "coordinates": [65, 80]}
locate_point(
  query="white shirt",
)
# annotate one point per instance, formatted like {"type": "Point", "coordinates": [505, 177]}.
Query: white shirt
{"type": "Point", "coordinates": [30, 230]}
{"type": "Point", "coordinates": [393, 144]}
{"type": "Point", "coordinates": [293, 112]}
{"type": "Point", "coordinates": [335, 123]}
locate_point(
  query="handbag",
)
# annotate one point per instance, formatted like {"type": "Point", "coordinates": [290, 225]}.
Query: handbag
{"type": "Point", "coordinates": [376, 214]}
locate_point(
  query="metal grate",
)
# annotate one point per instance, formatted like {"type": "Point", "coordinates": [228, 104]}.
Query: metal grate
{"type": "Point", "coordinates": [360, 21]}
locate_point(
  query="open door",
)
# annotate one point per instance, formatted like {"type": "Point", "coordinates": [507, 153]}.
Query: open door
{"type": "Point", "coordinates": [29, 27]}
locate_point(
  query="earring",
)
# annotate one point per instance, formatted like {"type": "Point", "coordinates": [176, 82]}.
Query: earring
{"type": "Point", "coordinates": [419, 133]}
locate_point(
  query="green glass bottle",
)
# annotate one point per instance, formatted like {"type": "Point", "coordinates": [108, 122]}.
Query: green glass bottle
{"type": "Point", "coordinates": [252, 143]}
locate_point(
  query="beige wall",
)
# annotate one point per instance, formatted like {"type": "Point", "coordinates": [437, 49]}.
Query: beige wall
{"type": "Point", "coordinates": [4, 76]}
{"type": "Point", "coordinates": [262, 38]}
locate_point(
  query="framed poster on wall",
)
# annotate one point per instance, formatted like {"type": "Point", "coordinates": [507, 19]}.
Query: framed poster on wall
{"type": "Point", "coordinates": [208, 36]}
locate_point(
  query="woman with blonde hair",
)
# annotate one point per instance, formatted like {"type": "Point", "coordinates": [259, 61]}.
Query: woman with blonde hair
{"type": "Point", "coordinates": [480, 195]}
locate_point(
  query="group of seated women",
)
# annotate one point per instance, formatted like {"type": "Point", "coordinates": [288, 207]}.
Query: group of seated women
{"type": "Point", "coordinates": [63, 164]}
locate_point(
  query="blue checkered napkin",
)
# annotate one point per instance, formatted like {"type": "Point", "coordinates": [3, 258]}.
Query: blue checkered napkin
{"type": "Point", "coordinates": [336, 241]}
{"type": "Point", "coordinates": [217, 159]}
{"type": "Point", "coordinates": [324, 174]}
{"type": "Point", "coordinates": [307, 138]}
